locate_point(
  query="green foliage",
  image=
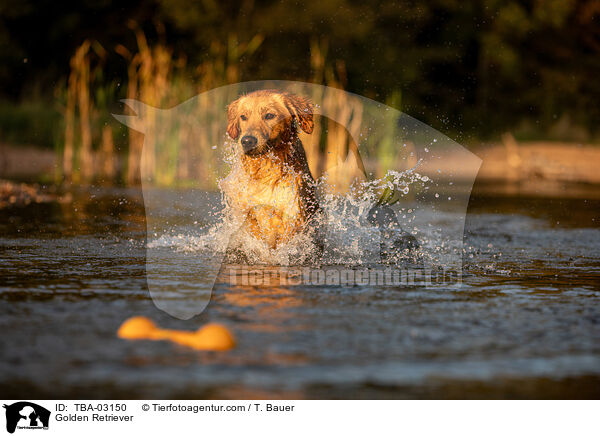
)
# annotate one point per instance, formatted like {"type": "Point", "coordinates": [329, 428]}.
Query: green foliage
{"type": "Point", "coordinates": [34, 123]}
{"type": "Point", "coordinates": [470, 68]}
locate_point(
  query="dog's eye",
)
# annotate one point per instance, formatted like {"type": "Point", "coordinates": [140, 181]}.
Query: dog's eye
{"type": "Point", "coordinates": [269, 116]}
{"type": "Point", "coordinates": [243, 117]}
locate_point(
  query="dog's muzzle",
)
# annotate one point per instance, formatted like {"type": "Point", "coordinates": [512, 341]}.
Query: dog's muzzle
{"type": "Point", "coordinates": [249, 144]}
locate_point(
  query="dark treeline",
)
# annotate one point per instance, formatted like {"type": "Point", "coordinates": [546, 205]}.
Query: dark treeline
{"type": "Point", "coordinates": [470, 68]}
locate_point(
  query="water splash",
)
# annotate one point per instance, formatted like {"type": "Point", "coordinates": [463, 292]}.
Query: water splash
{"type": "Point", "coordinates": [349, 238]}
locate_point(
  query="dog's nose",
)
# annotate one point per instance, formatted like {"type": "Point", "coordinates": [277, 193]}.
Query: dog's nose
{"type": "Point", "coordinates": [249, 143]}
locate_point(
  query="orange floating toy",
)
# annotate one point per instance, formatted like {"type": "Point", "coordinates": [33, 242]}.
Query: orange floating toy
{"type": "Point", "coordinates": [211, 337]}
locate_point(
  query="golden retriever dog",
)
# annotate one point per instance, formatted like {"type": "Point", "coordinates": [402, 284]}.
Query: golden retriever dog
{"type": "Point", "coordinates": [273, 188]}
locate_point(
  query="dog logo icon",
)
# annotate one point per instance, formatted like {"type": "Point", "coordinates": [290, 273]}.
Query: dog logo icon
{"type": "Point", "coordinates": [26, 415]}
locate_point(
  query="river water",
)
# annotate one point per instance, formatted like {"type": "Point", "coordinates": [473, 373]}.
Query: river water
{"type": "Point", "coordinates": [524, 324]}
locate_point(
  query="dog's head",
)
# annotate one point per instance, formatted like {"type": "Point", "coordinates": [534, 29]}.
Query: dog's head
{"type": "Point", "coordinates": [266, 120]}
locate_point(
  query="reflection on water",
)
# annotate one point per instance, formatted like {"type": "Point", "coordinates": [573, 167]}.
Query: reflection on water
{"type": "Point", "coordinates": [525, 323]}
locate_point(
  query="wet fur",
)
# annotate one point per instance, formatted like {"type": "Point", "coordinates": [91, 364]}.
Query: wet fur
{"type": "Point", "coordinates": [277, 194]}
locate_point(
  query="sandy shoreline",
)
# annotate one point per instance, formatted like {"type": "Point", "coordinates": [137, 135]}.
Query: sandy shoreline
{"type": "Point", "coordinates": [545, 169]}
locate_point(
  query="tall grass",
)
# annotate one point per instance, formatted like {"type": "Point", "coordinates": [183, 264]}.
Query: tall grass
{"type": "Point", "coordinates": [331, 147]}
{"type": "Point", "coordinates": [157, 78]}
{"type": "Point", "coordinates": [170, 152]}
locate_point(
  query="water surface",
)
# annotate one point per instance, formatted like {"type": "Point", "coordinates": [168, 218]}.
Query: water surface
{"type": "Point", "coordinates": [525, 323]}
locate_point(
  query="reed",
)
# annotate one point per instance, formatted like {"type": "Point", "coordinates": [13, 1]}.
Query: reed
{"type": "Point", "coordinates": [80, 113]}
{"type": "Point", "coordinates": [333, 147]}
{"type": "Point", "coordinates": [108, 160]}
{"type": "Point", "coordinates": [157, 79]}
{"type": "Point", "coordinates": [171, 152]}
{"type": "Point", "coordinates": [78, 84]}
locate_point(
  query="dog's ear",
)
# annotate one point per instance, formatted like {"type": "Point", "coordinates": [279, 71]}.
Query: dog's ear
{"type": "Point", "coordinates": [302, 109]}
{"type": "Point", "coordinates": [233, 120]}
